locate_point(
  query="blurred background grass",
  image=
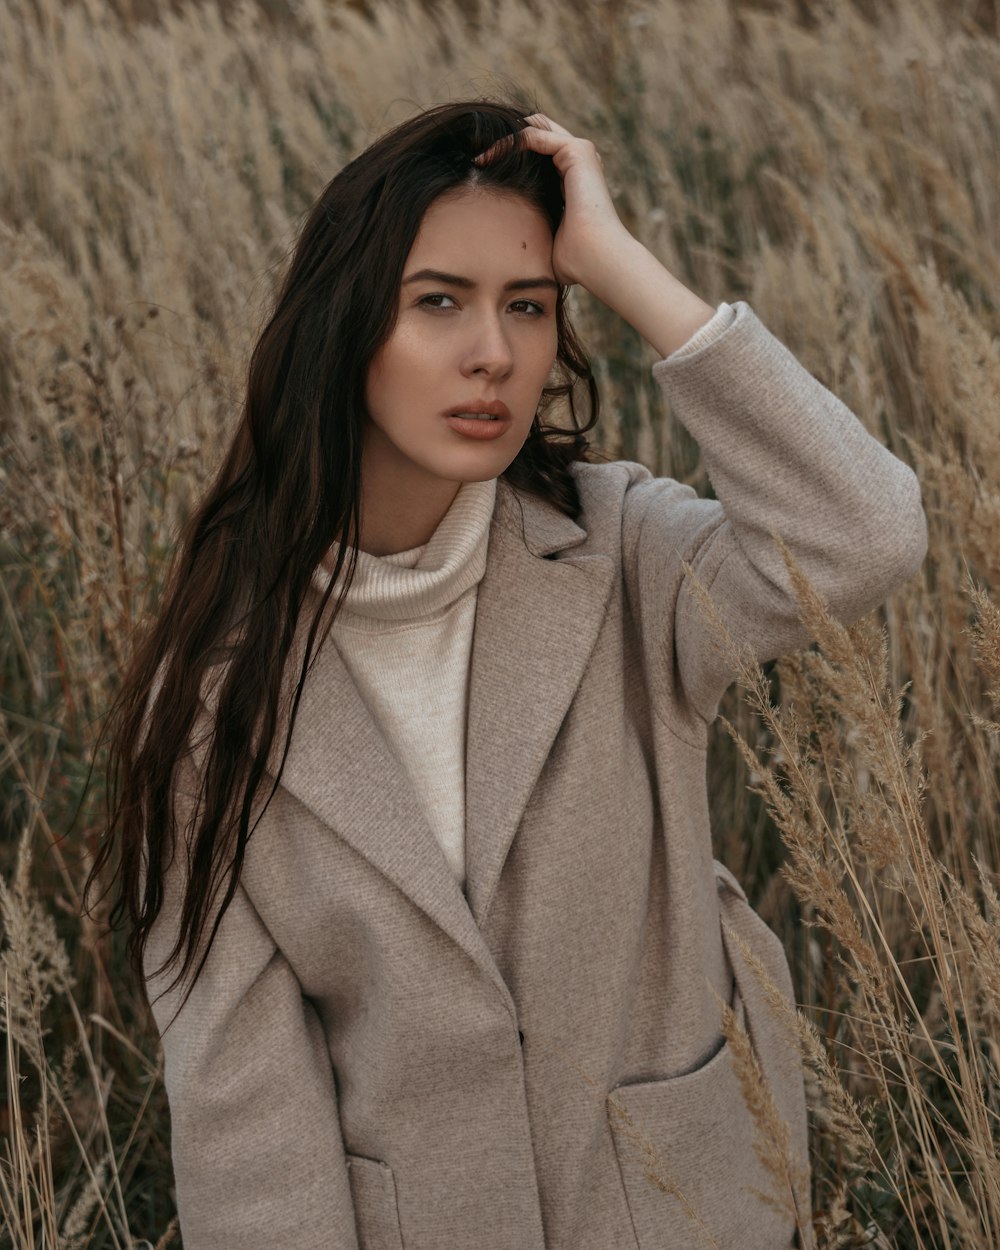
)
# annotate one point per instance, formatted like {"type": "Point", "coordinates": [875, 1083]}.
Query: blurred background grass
{"type": "Point", "coordinates": [837, 165]}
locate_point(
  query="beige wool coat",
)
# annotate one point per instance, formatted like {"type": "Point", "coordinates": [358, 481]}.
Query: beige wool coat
{"type": "Point", "coordinates": [375, 1059]}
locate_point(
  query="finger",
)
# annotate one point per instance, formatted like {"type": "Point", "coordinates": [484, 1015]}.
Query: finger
{"type": "Point", "coordinates": [551, 142]}
{"type": "Point", "coordinates": [545, 141]}
{"type": "Point", "coordinates": [544, 122]}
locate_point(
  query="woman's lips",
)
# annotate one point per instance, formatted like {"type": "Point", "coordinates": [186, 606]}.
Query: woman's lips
{"type": "Point", "coordinates": [494, 420]}
{"type": "Point", "coordinates": [478, 427]}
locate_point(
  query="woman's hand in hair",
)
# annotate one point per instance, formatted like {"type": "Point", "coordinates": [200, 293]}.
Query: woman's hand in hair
{"type": "Point", "coordinates": [593, 247]}
{"type": "Point", "coordinates": [590, 227]}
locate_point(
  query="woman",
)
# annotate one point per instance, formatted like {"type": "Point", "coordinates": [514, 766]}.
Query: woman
{"type": "Point", "coordinates": [479, 897]}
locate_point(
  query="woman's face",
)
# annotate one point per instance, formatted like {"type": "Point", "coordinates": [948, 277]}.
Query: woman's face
{"type": "Point", "coordinates": [476, 322]}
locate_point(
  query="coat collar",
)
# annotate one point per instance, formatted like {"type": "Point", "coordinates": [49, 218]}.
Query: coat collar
{"type": "Point", "coordinates": [536, 623]}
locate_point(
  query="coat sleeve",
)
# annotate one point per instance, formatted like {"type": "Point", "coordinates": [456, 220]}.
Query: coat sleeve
{"type": "Point", "coordinates": [256, 1145]}
{"type": "Point", "coordinates": [781, 451]}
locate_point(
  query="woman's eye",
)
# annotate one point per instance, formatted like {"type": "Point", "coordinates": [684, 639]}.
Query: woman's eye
{"type": "Point", "coordinates": [524, 306]}
{"type": "Point", "coordinates": [428, 297]}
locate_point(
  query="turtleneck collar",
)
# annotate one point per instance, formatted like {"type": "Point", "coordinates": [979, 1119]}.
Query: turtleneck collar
{"type": "Point", "coordinates": [423, 580]}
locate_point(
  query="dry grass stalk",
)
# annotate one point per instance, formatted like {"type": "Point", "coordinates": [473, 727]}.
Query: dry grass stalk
{"type": "Point", "coordinates": [772, 1137]}
{"type": "Point", "coordinates": [657, 1172]}
{"type": "Point", "coordinates": [36, 974]}
{"type": "Point", "coordinates": [848, 859]}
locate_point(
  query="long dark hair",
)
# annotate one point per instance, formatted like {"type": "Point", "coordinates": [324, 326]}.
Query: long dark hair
{"type": "Point", "coordinates": [289, 487]}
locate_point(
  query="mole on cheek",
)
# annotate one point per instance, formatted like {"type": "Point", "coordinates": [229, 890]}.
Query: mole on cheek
{"type": "Point", "coordinates": [524, 246]}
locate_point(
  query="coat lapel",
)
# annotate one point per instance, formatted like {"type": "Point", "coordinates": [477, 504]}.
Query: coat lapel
{"type": "Point", "coordinates": [537, 620]}
{"type": "Point", "coordinates": [342, 768]}
{"type": "Point", "coordinates": [536, 623]}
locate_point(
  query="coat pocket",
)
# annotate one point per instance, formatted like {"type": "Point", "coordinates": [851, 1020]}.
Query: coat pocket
{"type": "Point", "coordinates": [373, 1193]}
{"type": "Point", "coordinates": [685, 1144]}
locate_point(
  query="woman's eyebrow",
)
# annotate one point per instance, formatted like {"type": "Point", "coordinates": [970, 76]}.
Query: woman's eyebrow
{"type": "Point", "coordinates": [454, 279]}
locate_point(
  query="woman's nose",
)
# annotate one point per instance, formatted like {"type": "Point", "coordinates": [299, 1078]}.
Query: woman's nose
{"type": "Point", "coordinates": [490, 350]}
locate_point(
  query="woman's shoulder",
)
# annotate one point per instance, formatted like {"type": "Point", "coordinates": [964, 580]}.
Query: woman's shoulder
{"type": "Point", "coordinates": [622, 499]}
{"type": "Point", "coordinates": [607, 479]}
{"type": "Point", "coordinates": [624, 486]}
{"type": "Point", "coordinates": [615, 498]}
{"type": "Point", "coordinates": [598, 470]}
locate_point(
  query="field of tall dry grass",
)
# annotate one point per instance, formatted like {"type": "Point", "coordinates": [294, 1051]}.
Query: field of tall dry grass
{"type": "Point", "coordinates": [836, 165]}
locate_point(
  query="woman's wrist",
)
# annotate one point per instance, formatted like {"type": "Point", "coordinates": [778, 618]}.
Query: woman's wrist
{"type": "Point", "coordinates": [627, 277]}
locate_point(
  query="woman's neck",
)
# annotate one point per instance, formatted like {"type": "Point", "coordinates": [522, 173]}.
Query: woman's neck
{"type": "Point", "coordinates": [403, 519]}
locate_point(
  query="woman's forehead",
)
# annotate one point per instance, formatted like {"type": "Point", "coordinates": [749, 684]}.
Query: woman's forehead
{"type": "Point", "coordinates": [482, 229]}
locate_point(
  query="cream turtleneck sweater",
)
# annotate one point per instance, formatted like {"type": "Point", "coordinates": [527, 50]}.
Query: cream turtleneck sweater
{"type": "Point", "coordinates": [405, 635]}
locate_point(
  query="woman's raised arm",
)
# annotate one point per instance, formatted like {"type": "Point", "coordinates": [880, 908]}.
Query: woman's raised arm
{"type": "Point", "coordinates": [782, 451]}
